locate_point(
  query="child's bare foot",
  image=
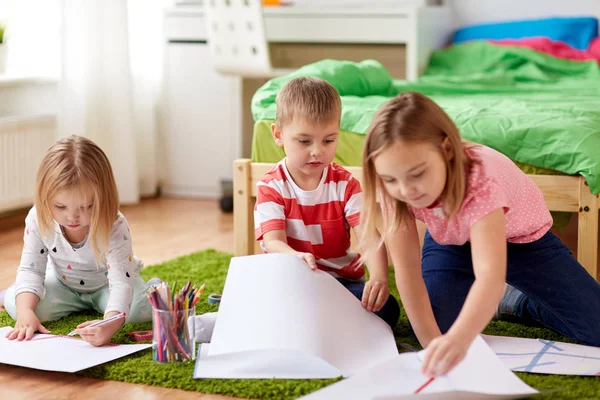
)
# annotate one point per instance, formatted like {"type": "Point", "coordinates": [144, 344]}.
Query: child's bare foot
{"type": "Point", "coordinates": [2, 293]}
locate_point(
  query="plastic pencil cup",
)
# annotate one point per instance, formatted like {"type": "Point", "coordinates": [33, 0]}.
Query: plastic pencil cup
{"type": "Point", "coordinates": [173, 335]}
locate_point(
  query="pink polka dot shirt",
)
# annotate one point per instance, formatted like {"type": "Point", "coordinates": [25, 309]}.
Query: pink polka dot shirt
{"type": "Point", "coordinates": [493, 182]}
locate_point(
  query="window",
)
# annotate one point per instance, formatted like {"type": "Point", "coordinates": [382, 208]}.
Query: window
{"type": "Point", "coordinates": [32, 36]}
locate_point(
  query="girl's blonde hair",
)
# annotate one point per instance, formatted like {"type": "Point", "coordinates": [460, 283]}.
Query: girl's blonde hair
{"type": "Point", "coordinates": [410, 117]}
{"type": "Point", "coordinates": [76, 163]}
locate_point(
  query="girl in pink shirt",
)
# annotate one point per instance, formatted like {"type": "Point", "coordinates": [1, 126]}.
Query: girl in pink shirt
{"type": "Point", "coordinates": [487, 226]}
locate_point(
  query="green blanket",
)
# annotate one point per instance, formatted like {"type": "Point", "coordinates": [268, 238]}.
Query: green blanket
{"type": "Point", "coordinates": [535, 108]}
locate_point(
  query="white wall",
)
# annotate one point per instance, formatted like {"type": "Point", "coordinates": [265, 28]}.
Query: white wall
{"type": "Point", "coordinates": [467, 12]}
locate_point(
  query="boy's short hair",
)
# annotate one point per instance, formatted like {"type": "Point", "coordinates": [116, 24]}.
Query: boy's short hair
{"type": "Point", "coordinates": [312, 99]}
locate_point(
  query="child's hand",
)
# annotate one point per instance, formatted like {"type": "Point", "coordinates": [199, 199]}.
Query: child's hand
{"type": "Point", "coordinates": [98, 335]}
{"type": "Point", "coordinates": [375, 294]}
{"type": "Point", "coordinates": [27, 324]}
{"type": "Point", "coordinates": [443, 353]}
{"type": "Point", "coordinates": [309, 258]}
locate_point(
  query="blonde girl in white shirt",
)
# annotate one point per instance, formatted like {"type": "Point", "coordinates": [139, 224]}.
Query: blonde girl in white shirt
{"type": "Point", "coordinates": [77, 254]}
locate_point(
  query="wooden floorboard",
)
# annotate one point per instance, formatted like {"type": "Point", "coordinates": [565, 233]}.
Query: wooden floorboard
{"type": "Point", "coordinates": [26, 384]}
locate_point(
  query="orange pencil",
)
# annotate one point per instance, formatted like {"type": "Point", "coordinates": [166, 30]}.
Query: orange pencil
{"type": "Point", "coordinates": [198, 294]}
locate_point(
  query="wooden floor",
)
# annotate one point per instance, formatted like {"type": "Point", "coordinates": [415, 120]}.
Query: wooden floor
{"type": "Point", "coordinates": [161, 229]}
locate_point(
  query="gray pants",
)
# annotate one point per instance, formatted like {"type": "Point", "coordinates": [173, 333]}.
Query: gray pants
{"type": "Point", "coordinates": [60, 300]}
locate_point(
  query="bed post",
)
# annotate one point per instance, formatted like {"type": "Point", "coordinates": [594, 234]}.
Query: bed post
{"type": "Point", "coordinates": [243, 209]}
{"type": "Point", "coordinates": [587, 235]}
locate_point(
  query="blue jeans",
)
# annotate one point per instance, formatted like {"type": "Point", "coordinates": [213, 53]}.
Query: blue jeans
{"type": "Point", "coordinates": [390, 312]}
{"type": "Point", "coordinates": [558, 291]}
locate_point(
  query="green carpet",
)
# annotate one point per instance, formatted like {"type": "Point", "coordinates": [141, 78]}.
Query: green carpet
{"type": "Point", "coordinates": [211, 267]}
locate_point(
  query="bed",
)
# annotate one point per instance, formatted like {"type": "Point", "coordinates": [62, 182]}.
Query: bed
{"type": "Point", "coordinates": [541, 111]}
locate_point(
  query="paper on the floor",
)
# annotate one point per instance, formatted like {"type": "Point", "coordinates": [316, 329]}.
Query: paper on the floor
{"type": "Point", "coordinates": [279, 319]}
{"type": "Point", "coordinates": [480, 375]}
{"type": "Point", "coordinates": [59, 353]}
{"type": "Point", "coordinates": [545, 356]}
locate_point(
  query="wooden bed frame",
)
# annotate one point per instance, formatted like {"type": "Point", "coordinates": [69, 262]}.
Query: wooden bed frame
{"type": "Point", "coordinates": [561, 193]}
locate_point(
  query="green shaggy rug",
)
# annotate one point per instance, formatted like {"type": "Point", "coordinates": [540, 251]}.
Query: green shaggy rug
{"type": "Point", "coordinates": [210, 266]}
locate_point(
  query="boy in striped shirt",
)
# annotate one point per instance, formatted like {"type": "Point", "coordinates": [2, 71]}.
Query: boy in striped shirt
{"type": "Point", "coordinates": [306, 204]}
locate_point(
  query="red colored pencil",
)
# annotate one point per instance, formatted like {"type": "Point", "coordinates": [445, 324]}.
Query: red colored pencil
{"type": "Point", "coordinates": [423, 386]}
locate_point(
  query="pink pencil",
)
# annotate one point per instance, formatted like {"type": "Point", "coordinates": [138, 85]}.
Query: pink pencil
{"type": "Point", "coordinates": [423, 386]}
{"type": "Point", "coordinates": [104, 321]}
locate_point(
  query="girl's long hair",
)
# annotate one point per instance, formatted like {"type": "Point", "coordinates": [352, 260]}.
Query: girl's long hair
{"type": "Point", "coordinates": [77, 164]}
{"type": "Point", "coordinates": [409, 117]}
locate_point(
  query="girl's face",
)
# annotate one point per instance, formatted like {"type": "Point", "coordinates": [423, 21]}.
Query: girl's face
{"type": "Point", "coordinates": [412, 172]}
{"type": "Point", "coordinates": [72, 212]}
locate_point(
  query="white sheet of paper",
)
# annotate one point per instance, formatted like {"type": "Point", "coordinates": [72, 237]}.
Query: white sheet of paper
{"type": "Point", "coordinates": [261, 364]}
{"type": "Point", "coordinates": [545, 356]}
{"type": "Point", "coordinates": [480, 375]}
{"type": "Point", "coordinates": [275, 308]}
{"type": "Point", "coordinates": [58, 353]}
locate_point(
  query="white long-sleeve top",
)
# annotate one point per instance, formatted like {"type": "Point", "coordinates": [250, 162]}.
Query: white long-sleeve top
{"type": "Point", "coordinates": [75, 264]}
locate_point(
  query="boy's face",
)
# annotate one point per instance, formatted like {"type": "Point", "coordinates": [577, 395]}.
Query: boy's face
{"type": "Point", "coordinates": [309, 147]}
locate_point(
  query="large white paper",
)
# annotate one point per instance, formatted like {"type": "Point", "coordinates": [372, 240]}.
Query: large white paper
{"type": "Point", "coordinates": [480, 375]}
{"type": "Point", "coordinates": [59, 353]}
{"type": "Point", "coordinates": [279, 319]}
{"type": "Point", "coordinates": [545, 356]}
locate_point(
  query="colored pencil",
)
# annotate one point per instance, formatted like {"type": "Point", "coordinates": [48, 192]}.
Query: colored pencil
{"type": "Point", "coordinates": [423, 386]}
{"type": "Point", "coordinates": [171, 309]}
{"type": "Point", "coordinates": [101, 322]}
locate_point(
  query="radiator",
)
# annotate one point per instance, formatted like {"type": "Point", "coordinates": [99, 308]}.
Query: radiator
{"type": "Point", "coordinates": [23, 143]}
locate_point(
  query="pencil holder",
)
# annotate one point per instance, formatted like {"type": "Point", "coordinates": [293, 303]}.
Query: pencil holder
{"type": "Point", "coordinates": [173, 335]}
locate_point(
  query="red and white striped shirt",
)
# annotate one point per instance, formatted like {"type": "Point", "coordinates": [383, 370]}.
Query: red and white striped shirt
{"type": "Point", "coordinates": [316, 221]}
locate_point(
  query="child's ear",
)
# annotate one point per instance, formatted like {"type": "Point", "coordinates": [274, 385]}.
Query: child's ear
{"type": "Point", "coordinates": [276, 133]}
{"type": "Point", "coordinates": [447, 149]}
